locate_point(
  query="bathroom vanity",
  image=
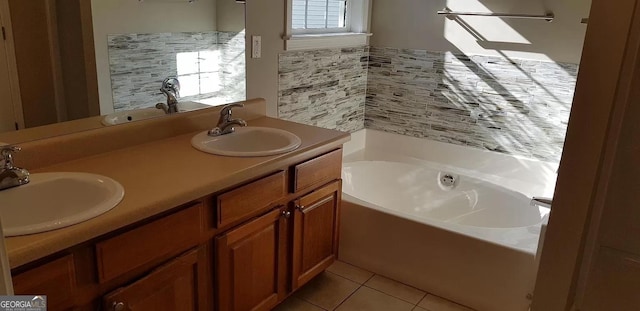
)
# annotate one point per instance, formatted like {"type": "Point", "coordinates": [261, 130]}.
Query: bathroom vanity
{"type": "Point", "coordinates": [195, 231]}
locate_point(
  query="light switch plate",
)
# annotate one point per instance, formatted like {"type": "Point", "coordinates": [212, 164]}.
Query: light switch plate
{"type": "Point", "coordinates": [256, 46]}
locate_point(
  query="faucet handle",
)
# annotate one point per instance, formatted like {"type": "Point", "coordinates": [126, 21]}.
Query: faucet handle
{"type": "Point", "coordinates": [6, 155]}
{"type": "Point", "coordinates": [225, 113]}
{"type": "Point", "coordinates": [226, 110]}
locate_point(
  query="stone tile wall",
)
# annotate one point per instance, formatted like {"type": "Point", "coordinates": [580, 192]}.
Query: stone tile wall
{"type": "Point", "coordinates": [512, 106]}
{"type": "Point", "coordinates": [326, 88]}
{"type": "Point", "coordinates": [139, 63]}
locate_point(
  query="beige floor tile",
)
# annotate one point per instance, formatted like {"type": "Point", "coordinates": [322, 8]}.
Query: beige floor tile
{"type": "Point", "coordinates": [295, 304]}
{"type": "Point", "coordinates": [395, 289]}
{"type": "Point", "coordinates": [327, 290]}
{"type": "Point", "coordinates": [435, 303]}
{"type": "Point", "coordinates": [350, 272]}
{"type": "Point", "coordinates": [367, 299]}
{"type": "Point", "coordinates": [419, 309]}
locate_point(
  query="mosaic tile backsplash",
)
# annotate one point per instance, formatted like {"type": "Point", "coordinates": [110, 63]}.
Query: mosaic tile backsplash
{"type": "Point", "coordinates": [209, 65]}
{"type": "Point", "coordinates": [512, 106]}
{"type": "Point", "coordinates": [326, 88]}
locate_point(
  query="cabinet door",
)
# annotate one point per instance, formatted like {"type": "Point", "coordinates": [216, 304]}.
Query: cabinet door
{"type": "Point", "coordinates": [315, 232]}
{"type": "Point", "coordinates": [172, 287]}
{"type": "Point", "coordinates": [248, 261]}
{"type": "Point", "coordinates": [56, 279]}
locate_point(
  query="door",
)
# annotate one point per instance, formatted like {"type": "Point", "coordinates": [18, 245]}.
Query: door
{"type": "Point", "coordinates": [315, 232]}
{"type": "Point", "coordinates": [248, 264]}
{"type": "Point", "coordinates": [591, 254]}
{"type": "Point", "coordinates": [172, 287]}
{"type": "Point", "coordinates": [7, 115]}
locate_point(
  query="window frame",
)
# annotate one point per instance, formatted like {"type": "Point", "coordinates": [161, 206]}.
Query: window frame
{"type": "Point", "coordinates": [355, 32]}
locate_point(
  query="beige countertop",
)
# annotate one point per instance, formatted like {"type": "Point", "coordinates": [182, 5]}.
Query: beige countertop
{"type": "Point", "coordinates": [161, 175]}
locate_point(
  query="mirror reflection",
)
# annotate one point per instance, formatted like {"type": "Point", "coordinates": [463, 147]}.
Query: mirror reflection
{"type": "Point", "coordinates": [105, 62]}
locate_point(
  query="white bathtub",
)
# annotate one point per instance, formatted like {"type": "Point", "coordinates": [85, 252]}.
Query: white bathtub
{"type": "Point", "coordinates": [474, 243]}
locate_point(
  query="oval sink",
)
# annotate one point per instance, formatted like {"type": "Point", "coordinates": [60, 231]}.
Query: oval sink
{"type": "Point", "coordinates": [248, 141]}
{"type": "Point", "coordinates": [55, 200]}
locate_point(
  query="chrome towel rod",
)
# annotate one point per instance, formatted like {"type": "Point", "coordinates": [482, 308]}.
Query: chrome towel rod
{"type": "Point", "coordinates": [548, 17]}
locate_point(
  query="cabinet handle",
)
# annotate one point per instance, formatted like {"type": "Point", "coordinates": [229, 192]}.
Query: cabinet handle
{"type": "Point", "coordinates": [300, 207]}
{"type": "Point", "coordinates": [117, 306]}
{"type": "Point", "coordinates": [286, 214]}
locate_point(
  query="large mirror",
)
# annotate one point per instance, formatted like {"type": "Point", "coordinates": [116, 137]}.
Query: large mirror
{"type": "Point", "coordinates": [95, 63]}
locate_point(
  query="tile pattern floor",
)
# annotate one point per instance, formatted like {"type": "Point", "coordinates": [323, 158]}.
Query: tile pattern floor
{"type": "Point", "coordinates": [344, 287]}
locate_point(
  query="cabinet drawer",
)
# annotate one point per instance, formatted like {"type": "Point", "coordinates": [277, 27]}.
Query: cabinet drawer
{"type": "Point", "coordinates": [251, 198]}
{"type": "Point", "coordinates": [318, 171]}
{"type": "Point", "coordinates": [150, 243]}
{"type": "Point", "coordinates": [170, 287]}
{"type": "Point", "coordinates": [55, 279]}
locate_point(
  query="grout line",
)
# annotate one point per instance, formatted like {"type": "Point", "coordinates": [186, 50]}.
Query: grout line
{"type": "Point", "coordinates": [345, 300]}
{"type": "Point", "coordinates": [422, 297]}
{"type": "Point", "coordinates": [392, 296]}
{"type": "Point", "coordinates": [369, 279]}
{"type": "Point", "coordinates": [313, 304]}
{"type": "Point", "coordinates": [348, 279]}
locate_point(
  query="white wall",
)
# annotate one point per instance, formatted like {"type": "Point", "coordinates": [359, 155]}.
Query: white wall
{"type": "Point", "coordinates": [149, 16]}
{"type": "Point", "coordinates": [414, 24]}
{"type": "Point", "coordinates": [229, 15]}
{"type": "Point", "coordinates": [265, 18]}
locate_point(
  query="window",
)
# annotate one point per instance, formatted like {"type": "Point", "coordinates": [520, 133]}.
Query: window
{"type": "Point", "coordinates": [326, 23]}
{"type": "Point", "coordinates": [198, 72]}
{"type": "Point", "coordinates": [319, 15]}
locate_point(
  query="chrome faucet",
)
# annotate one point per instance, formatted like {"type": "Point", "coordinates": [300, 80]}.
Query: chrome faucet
{"type": "Point", "coordinates": [227, 125]}
{"type": "Point", "coordinates": [543, 202]}
{"type": "Point", "coordinates": [170, 88]}
{"type": "Point", "coordinates": [11, 176]}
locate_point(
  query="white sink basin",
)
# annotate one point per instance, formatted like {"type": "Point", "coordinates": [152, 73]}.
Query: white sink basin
{"type": "Point", "coordinates": [146, 113]}
{"type": "Point", "coordinates": [248, 141]}
{"type": "Point", "coordinates": [55, 200]}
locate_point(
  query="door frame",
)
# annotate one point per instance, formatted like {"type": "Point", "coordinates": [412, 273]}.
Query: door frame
{"type": "Point", "coordinates": [16, 99]}
{"type": "Point", "coordinates": [603, 91]}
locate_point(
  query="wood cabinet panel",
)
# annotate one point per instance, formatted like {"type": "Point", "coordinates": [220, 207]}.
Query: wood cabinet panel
{"type": "Point", "coordinates": [251, 198]}
{"type": "Point", "coordinates": [152, 242]}
{"type": "Point", "coordinates": [55, 279]}
{"type": "Point", "coordinates": [172, 287]}
{"type": "Point", "coordinates": [248, 264]}
{"type": "Point", "coordinates": [318, 171]}
{"type": "Point", "coordinates": [315, 232]}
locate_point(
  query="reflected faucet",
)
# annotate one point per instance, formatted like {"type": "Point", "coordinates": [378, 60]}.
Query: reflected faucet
{"type": "Point", "coordinates": [10, 175]}
{"type": "Point", "coordinates": [226, 125]}
{"type": "Point", "coordinates": [543, 202]}
{"type": "Point", "coordinates": [170, 88]}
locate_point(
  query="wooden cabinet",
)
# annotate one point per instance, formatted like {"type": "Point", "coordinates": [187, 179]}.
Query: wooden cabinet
{"type": "Point", "coordinates": [172, 287]}
{"type": "Point", "coordinates": [149, 243]}
{"type": "Point", "coordinates": [245, 248]}
{"type": "Point", "coordinates": [315, 232]}
{"type": "Point", "coordinates": [55, 279]}
{"type": "Point", "coordinates": [248, 264]}
{"type": "Point", "coordinates": [260, 262]}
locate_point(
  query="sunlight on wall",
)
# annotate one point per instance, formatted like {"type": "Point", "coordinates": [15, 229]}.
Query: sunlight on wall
{"type": "Point", "coordinates": [488, 28]}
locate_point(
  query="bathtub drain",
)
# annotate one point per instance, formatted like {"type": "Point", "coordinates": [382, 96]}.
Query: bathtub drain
{"type": "Point", "coordinates": [447, 181]}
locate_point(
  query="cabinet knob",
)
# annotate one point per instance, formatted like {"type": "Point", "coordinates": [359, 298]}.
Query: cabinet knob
{"type": "Point", "coordinates": [300, 207]}
{"type": "Point", "coordinates": [286, 214]}
{"type": "Point", "coordinates": [118, 306]}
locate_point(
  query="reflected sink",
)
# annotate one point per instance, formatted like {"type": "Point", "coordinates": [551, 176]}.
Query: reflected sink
{"type": "Point", "coordinates": [131, 115]}
{"type": "Point", "coordinates": [55, 200]}
{"type": "Point", "coordinates": [146, 113]}
{"type": "Point", "coordinates": [250, 141]}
